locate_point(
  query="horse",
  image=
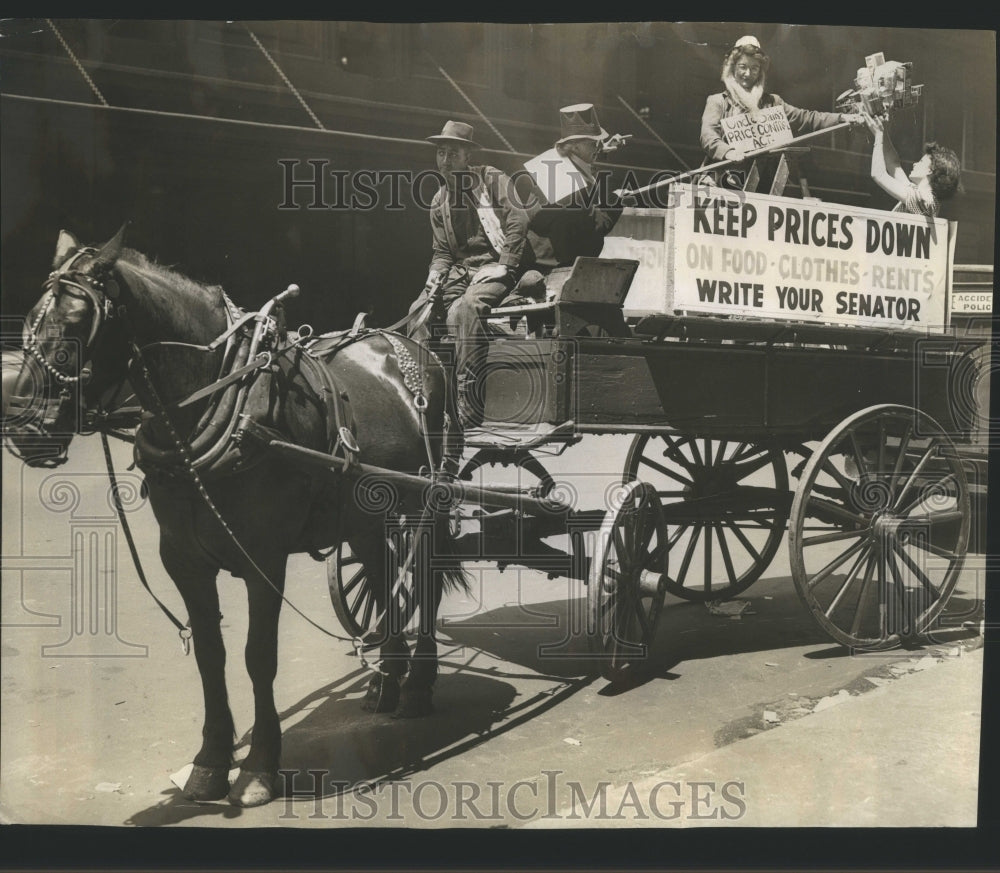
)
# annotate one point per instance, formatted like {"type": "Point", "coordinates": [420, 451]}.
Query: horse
{"type": "Point", "coordinates": [224, 501]}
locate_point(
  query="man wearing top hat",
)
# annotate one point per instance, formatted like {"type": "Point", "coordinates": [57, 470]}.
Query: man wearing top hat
{"type": "Point", "coordinates": [568, 219]}
{"type": "Point", "coordinates": [479, 245]}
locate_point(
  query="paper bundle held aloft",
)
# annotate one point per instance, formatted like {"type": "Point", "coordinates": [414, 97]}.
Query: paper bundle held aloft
{"type": "Point", "coordinates": [881, 87]}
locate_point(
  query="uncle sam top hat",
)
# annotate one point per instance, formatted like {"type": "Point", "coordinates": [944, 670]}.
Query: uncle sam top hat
{"type": "Point", "coordinates": [579, 121]}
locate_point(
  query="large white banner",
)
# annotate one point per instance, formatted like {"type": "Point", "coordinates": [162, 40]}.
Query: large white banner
{"type": "Point", "coordinates": [735, 253]}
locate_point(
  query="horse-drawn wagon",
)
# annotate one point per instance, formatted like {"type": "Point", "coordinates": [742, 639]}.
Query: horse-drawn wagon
{"type": "Point", "coordinates": [258, 442]}
{"type": "Point", "coordinates": [869, 410]}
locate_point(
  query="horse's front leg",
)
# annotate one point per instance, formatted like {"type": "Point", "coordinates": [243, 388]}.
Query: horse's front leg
{"type": "Point", "coordinates": [258, 779]}
{"type": "Point", "coordinates": [196, 581]}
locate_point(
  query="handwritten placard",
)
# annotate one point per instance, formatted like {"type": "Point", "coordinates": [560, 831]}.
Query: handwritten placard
{"type": "Point", "coordinates": [556, 176]}
{"type": "Point", "coordinates": [762, 129]}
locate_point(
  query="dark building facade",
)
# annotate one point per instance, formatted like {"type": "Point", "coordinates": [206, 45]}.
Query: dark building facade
{"type": "Point", "coordinates": [205, 124]}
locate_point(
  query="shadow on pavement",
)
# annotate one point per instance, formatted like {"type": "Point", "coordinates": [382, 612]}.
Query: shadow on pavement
{"type": "Point", "coordinates": [336, 748]}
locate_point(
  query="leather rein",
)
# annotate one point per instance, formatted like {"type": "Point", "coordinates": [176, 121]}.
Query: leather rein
{"type": "Point", "coordinates": [260, 353]}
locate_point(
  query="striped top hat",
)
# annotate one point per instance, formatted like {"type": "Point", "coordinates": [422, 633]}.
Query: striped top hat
{"type": "Point", "coordinates": [579, 121]}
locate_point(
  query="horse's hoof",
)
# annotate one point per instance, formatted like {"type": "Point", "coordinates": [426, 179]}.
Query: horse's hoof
{"type": "Point", "coordinates": [253, 789]}
{"type": "Point", "coordinates": [382, 694]}
{"type": "Point", "coordinates": [207, 783]}
{"type": "Point", "coordinates": [414, 703]}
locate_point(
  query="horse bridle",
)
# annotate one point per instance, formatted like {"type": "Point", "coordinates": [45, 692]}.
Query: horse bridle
{"type": "Point", "coordinates": [101, 294]}
{"type": "Point", "coordinates": [47, 411]}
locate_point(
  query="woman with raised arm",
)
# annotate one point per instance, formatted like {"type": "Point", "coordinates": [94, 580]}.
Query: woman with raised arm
{"type": "Point", "coordinates": [934, 178]}
{"type": "Point", "coordinates": [744, 74]}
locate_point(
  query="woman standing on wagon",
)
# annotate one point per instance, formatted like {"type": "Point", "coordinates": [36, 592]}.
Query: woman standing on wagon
{"type": "Point", "coordinates": [744, 73]}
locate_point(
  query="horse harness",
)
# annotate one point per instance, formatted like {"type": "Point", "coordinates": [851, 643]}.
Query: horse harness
{"type": "Point", "coordinates": [246, 355]}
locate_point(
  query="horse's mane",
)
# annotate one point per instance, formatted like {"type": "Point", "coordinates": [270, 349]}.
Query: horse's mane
{"type": "Point", "coordinates": [149, 269]}
{"type": "Point", "coordinates": [170, 297]}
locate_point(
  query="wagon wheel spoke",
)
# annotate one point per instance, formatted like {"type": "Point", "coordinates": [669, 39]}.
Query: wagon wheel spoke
{"type": "Point", "coordinates": [835, 563]}
{"type": "Point", "coordinates": [743, 540]}
{"type": "Point", "coordinates": [357, 601]}
{"type": "Point", "coordinates": [676, 535]}
{"type": "Point", "coordinates": [744, 450]}
{"type": "Point", "coordinates": [696, 453]}
{"type": "Point", "coordinates": [688, 554]}
{"type": "Point", "coordinates": [648, 528]}
{"type": "Point", "coordinates": [904, 444]}
{"type": "Point", "coordinates": [726, 557]}
{"type": "Point", "coordinates": [676, 454]}
{"type": "Point", "coordinates": [721, 454]}
{"type": "Point", "coordinates": [941, 517]}
{"type": "Point", "coordinates": [859, 456]}
{"type": "Point", "coordinates": [666, 471]}
{"type": "Point", "coordinates": [828, 506]}
{"type": "Point", "coordinates": [748, 468]}
{"type": "Point", "coordinates": [880, 469]}
{"type": "Point", "coordinates": [950, 479]}
{"type": "Point", "coordinates": [635, 526]}
{"type": "Point", "coordinates": [927, 546]}
{"type": "Point", "coordinates": [836, 536]}
{"type": "Point", "coordinates": [916, 570]}
{"type": "Point", "coordinates": [355, 580]}
{"type": "Point", "coordinates": [707, 575]}
{"type": "Point", "coordinates": [900, 625]}
{"type": "Point", "coordinates": [640, 614]}
{"type": "Point", "coordinates": [913, 474]}
{"type": "Point", "coordinates": [842, 480]}
{"type": "Point", "coordinates": [622, 546]}
{"type": "Point", "coordinates": [865, 582]}
{"type": "Point", "coordinates": [852, 573]}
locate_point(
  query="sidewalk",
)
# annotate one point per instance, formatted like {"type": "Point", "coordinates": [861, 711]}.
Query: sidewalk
{"type": "Point", "coordinates": [904, 754]}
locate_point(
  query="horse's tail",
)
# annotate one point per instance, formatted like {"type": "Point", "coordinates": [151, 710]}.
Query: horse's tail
{"type": "Point", "coordinates": [447, 560]}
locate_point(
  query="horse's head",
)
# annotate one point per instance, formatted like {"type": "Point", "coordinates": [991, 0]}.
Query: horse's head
{"type": "Point", "coordinates": [72, 351]}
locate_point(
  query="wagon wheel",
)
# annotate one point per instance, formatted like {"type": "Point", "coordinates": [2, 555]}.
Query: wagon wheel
{"type": "Point", "coordinates": [351, 593]}
{"type": "Point", "coordinates": [879, 563]}
{"type": "Point", "coordinates": [627, 583]}
{"type": "Point", "coordinates": [723, 500]}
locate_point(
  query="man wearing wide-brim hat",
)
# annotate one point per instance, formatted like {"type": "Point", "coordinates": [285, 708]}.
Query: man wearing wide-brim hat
{"type": "Point", "coordinates": [479, 237]}
{"type": "Point", "coordinates": [568, 218]}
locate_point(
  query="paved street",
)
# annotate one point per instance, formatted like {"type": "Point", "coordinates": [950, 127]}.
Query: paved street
{"type": "Point", "coordinates": [756, 719]}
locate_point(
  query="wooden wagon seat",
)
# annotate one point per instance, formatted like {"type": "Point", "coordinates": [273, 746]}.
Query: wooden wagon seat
{"type": "Point", "coordinates": [589, 293]}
